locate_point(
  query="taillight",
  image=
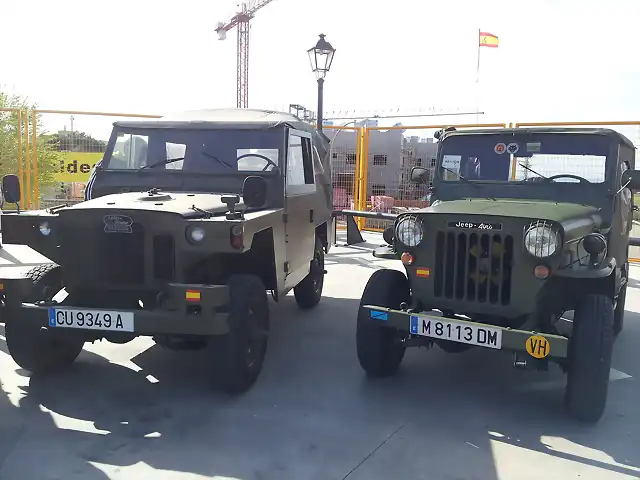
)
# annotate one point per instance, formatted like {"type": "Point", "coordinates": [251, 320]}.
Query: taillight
{"type": "Point", "coordinates": [237, 237]}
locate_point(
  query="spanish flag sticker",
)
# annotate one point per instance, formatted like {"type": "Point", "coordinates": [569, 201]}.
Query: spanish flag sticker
{"type": "Point", "coordinates": [192, 296]}
{"type": "Point", "coordinates": [423, 272]}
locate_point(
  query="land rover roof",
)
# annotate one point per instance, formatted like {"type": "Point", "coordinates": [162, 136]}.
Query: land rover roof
{"type": "Point", "coordinates": [221, 118]}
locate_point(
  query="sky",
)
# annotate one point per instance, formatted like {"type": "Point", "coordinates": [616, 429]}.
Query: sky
{"type": "Point", "coordinates": [558, 60]}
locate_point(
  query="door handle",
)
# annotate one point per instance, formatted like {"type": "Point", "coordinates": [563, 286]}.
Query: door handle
{"type": "Point", "coordinates": [311, 216]}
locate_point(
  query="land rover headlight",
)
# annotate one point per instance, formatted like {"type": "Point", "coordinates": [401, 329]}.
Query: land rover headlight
{"type": "Point", "coordinates": [44, 228]}
{"type": "Point", "coordinates": [409, 231]}
{"type": "Point", "coordinates": [195, 234]}
{"type": "Point", "coordinates": [541, 240]}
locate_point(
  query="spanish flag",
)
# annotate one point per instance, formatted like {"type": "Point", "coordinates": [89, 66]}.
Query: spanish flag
{"type": "Point", "coordinates": [488, 40]}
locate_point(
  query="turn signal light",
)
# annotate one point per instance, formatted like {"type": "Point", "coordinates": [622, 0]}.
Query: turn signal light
{"type": "Point", "coordinates": [237, 237]}
{"type": "Point", "coordinates": [407, 258]}
{"type": "Point", "coordinates": [541, 272]}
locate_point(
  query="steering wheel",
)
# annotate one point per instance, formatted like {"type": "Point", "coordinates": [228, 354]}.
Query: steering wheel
{"type": "Point", "coordinates": [567, 175]}
{"type": "Point", "coordinates": [266, 159]}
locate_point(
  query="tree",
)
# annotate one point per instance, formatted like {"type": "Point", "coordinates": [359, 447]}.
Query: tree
{"type": "Point", "coordinates": [48, 156]}
{"type": "Point", "coordinates": [69, 141]}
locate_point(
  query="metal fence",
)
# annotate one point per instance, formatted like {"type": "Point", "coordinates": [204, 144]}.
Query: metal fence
{"type": "Point", "coordinates": [371, 165]}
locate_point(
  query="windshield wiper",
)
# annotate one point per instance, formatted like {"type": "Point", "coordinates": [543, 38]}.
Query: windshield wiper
{"type": "Point", "coordinates": [532, 171]}
{"type": "Point", "coordinates": [214, 157]}
{"type": "Point", "coordinates": [166, 162]}
{"type": "Point", "coordinates": [461, 177]}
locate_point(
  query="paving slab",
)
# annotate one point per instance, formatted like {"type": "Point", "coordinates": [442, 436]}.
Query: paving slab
{"type": "Point", "coordinates": [137, 411]}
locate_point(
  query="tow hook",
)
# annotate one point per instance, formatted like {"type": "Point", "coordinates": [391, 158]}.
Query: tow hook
{"type": "Point", "coordinates": [519, 360]}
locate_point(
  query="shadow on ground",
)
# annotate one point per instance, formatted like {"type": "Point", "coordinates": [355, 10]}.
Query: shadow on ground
{"type": "Point", "coordinates": [312, 414]}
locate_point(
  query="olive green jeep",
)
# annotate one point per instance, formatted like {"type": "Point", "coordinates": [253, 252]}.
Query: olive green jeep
{"type": "Point", "coordinates": [525, 225]}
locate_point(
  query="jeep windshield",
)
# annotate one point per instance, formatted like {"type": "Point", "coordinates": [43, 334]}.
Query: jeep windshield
{"type": "Point", "coordinates": [194, 150]}
{"type": "Point", "coordinates": [526, 158]}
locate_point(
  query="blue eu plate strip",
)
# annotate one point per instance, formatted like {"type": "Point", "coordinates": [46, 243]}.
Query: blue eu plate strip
{"type": "Point", "coordinates": [52, 317]}
{"type": "Point", "coordinates": [376, 315]}
{"type": "Point", "coordinates": [413, 327]}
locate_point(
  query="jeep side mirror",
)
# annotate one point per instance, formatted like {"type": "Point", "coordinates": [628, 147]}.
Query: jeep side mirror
{"type": "Point", "coordinates": [630, 178]}
{"type": "Point", "coordinates": [11, 188]}
{"type": "Point", "coordinates": [254, 191]}
{"type": "Point", "coordinates": [418, 174]}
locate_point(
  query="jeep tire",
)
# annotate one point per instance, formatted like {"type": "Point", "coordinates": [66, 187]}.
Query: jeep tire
{"type": "Point", "coordinates": [589, 361]}
{"type": "Point", "coordinates": [38, 349]}
{"type": "Point", "coordinates": [380, 348]}
{"type": "Point", "coordinates": [309, 291]}
{"type": "Point", "coordinates": [239, 355]}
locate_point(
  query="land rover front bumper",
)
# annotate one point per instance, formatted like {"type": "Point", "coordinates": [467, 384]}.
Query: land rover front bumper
{"type": "Point", "coordinates": [188, 310]}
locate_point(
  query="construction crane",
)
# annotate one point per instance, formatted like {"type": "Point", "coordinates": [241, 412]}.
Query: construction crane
{"type": "Point", "coordinates": [241, 20]}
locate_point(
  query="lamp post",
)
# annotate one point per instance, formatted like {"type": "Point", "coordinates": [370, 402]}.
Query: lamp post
{"type": "Point", "coordinates": [321, 57]}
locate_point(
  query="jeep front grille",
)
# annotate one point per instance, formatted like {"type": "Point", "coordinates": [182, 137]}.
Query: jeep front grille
{"type": "Point", "coordinates": [474, 267]}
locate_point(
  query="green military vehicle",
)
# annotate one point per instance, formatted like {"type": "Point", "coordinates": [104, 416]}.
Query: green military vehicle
{"type": "Point", "coordinates": [525, 225]}
{"type": "Point", "coordinates": [189, 221]}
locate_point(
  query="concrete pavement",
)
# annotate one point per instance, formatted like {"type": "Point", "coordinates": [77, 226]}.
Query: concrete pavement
{"type": "Point", "coordinates": [136, 411]}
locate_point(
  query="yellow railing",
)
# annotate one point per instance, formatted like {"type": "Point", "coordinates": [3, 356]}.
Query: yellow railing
{"type": "Point", "coordinates": [352, 178]}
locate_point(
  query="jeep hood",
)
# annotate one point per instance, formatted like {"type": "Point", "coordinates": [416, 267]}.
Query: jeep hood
{"type": "Point", "coordinates": [167, 202]}
{"type": "Point", "coordinates": [535, 210]}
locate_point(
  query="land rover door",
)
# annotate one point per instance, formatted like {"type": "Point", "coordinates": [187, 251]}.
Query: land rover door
{"type": "Point", "coordinates": [300, 201]}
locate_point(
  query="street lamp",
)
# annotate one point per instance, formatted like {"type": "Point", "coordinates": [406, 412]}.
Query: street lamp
{"type": "Point", "coordinates": [321, 57]}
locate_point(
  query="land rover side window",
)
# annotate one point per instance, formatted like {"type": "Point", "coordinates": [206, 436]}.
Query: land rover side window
{"type": "Point", "coordinates": [300, 170]}
{"type": "Point", "coordinates": [129, 152]}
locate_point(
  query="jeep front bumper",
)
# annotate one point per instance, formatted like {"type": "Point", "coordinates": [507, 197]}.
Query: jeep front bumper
{"type": "Point", "coordinates": [436, 327]}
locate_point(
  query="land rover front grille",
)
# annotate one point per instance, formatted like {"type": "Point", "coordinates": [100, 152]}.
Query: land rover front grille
{"type": "Point", "coordinates": [473, 267]}
{"type": "Point", "coordinates": [122, 256]}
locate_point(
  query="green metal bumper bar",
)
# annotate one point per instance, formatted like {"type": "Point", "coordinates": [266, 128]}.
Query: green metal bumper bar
{"type": "Point", "coordinates": [512, 339]}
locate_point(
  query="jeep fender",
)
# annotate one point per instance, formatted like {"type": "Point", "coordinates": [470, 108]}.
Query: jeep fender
{"type": "Point", "coordinates": [604, 279]}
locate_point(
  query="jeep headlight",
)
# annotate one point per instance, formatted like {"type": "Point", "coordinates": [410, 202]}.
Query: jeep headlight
{"type": "Point", "coordinates": [541, 240]}
{"type": "Point", "coordinates": [409, 231]}
{"type": "Point", "coordinates": [44, 228]}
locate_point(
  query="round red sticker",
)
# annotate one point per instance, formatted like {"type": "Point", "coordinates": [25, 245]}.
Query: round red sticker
{"type": "Point", "coordinates": [500, 148]}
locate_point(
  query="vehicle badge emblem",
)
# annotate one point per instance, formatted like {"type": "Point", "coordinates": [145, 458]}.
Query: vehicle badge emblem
{"type": "Point", "coordinates": [117, 224]}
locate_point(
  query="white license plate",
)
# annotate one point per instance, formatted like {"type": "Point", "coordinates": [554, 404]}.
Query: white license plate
{"type": "Point", "coordinates": [91, 319]}
{"type": "Point", "coordinates": [456, 331]}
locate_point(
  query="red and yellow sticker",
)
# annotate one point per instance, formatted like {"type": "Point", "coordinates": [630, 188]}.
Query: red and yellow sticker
{"type": "Point", "coordinates": [192, 296]}
{"type": "Point", "coordinates": [537, 346]}
{"type": "Point", "coordinates": [423, 272]}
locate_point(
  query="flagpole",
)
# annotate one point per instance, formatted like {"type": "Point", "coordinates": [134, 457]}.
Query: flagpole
{"type": "Point", "coordinates": [478, 81]}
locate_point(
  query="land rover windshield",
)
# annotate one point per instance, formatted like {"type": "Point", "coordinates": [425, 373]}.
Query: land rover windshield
{"type": "Point", "coordinates": [194, 150]}
{"type": "Point", "coordinates": [524, 158]}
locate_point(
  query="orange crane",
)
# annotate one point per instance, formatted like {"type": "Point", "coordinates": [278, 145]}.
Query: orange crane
{"type": "Point", "coordinates": [241, 20]}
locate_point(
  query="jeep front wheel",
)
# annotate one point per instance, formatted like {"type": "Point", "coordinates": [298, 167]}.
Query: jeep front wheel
{"type": "Point", "coordinates": [239, 355]}
{"type": "Point", "coordinates": [35, 348]}
{"type": "Point", "coordinates": [380, 348]}
{"type": "Point", "coordinates": [589, 362]}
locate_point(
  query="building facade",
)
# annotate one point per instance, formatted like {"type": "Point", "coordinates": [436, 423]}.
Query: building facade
{"type": "Point", "coordinates": [392, 154]}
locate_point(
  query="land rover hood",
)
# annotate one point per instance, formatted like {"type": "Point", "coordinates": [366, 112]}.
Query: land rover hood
{"type": "Point", "coordinates": [179, 203]}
